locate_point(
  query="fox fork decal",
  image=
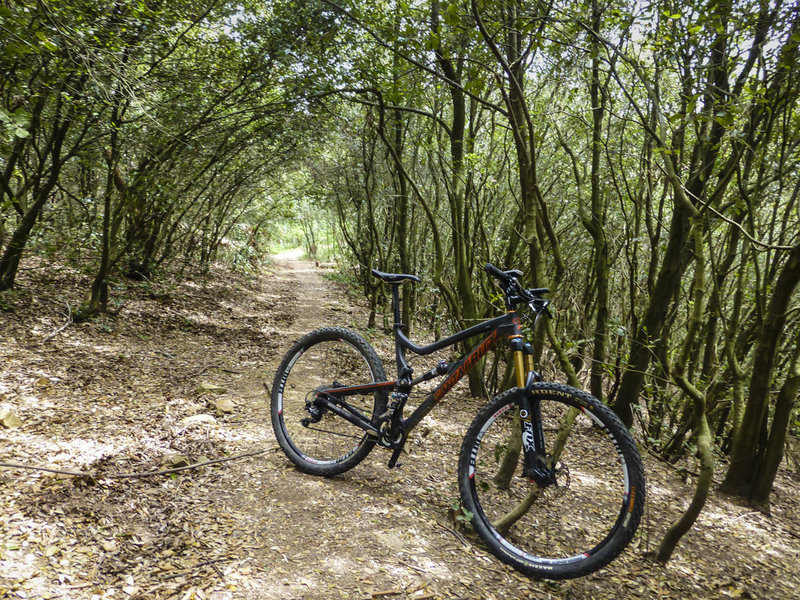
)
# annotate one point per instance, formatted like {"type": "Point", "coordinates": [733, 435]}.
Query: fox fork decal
{"type": "Point", "coordinates": [533, 446]}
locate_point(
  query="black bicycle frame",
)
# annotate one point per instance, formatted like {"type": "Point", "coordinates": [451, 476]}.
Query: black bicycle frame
{"type": "Point", "coordinates": [507, 325]}
{"type": "Point", "coordinates": [503, 326]}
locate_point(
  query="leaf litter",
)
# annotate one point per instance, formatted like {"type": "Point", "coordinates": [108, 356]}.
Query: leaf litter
{"type": "Point", "coordinates": [180, 376]}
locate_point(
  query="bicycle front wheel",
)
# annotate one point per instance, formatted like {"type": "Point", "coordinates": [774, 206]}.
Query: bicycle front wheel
{"type": "Point", "coordinates": [590, 510]}
{"type": "Point", "coordinates": [316, 440]}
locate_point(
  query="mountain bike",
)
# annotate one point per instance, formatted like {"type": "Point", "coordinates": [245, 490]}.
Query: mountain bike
{"type": "Point", "coordinates": [549, 477]}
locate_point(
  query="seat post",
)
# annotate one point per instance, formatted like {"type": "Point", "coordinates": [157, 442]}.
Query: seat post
{"type": "Point", "coordinates": [396, 303]}
{"type": "Point", "coordinates": [404, 371]}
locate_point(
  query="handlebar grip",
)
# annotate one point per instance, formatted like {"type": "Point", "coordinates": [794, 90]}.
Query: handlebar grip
{"type": "Point", "coordinates": [495, 272]}
{"type": "Point", "coordinates": [537, 291]}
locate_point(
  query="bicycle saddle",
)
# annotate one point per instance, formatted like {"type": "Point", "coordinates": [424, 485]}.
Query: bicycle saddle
{"type": "Point", "coordinates": [395, 277]}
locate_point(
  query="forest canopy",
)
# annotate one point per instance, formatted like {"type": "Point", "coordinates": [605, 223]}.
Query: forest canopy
{"type": "Point", "coordinates": [639, 159]}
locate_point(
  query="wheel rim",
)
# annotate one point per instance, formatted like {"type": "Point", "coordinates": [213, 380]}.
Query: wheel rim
{"type": "Point", "coordinates": [332, 439]}
{"type": "Point", "coordinates": [565, 523]}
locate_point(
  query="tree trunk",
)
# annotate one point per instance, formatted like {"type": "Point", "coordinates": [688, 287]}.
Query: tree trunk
{"type": "Point", "coordinates": [667, 283]}
{"type": "Point", "coordinates": [701, 430]}
{"type": "Point", "coordinates": [768, 467]}
{"type": "Point", "coordinates": [597, 218]}
{"type": "Point", "coordinates": [9, 263]}
{"type": "Point", "coordinates": [743, 471]}
{"type": "Point", "coordinates": [679, 528]}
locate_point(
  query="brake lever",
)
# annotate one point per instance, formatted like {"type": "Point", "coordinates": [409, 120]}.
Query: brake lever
{"type": "Point", "coordinates": [540, 307]}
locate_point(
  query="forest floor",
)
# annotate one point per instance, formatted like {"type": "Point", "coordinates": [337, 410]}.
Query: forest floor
{"type": "Point", "coordinates": [128, 393]}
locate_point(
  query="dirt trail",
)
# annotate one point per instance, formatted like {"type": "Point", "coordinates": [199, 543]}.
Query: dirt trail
{"type": "Point", "coordinates": [120, 395]}
{"type": "Point", "coordinates": [317, 303]}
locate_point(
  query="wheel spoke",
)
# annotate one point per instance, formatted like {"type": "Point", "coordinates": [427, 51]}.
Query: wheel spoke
{"type": "Point", "coordinates": [324, 360]}
{"type": "Point", "coordinates": [572, 526]}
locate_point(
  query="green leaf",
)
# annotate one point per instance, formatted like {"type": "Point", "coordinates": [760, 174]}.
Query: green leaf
{"type": "Point", "coordinates": [21, 118]}
{"type": "Point", "coordinates": [433, 42]}
{"type": "Point", "coordinates": [451, 14]}
{"type": "Point", "coordinates": [45, 42]}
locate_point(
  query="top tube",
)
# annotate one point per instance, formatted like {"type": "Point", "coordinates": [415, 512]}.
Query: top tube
{"type": "Point", "coordinates": [502, 321]}
{"type": "Point", "coordinates": [514, 295]}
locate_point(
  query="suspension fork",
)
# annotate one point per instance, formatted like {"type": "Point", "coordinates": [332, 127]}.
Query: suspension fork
{"type": "Point", "coordinates": [517, 347]}
{"type": "Point", "coordinates": [535, 465]}
{"type": "Point", "coordinates": [522, 353]}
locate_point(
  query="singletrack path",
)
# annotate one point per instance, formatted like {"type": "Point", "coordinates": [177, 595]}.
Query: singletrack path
{"type": "Point", "coordinates": [371, 532]}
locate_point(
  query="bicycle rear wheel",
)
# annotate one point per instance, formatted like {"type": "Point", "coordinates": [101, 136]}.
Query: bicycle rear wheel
{"type": "Point", "coordinates": [585, 518]}
{"type": "Point", "coordinates": [325, 358]}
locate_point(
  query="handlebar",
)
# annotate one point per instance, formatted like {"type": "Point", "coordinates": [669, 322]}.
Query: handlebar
{"type": "Point", "coordinates": [514, 292]}
{"type": "Point", "coordinates": [510, 281]}
{"type": "Point", "coordinates": [494, 272]}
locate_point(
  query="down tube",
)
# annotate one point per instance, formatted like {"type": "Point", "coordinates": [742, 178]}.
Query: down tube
{"type": "Point", "coordinates": [460, 369]}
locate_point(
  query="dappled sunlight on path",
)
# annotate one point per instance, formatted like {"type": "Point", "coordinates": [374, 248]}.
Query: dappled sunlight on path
{"type": "Point", "coordinates": [123, 394]}
{"type": "Point", "coordinates": [290, 254]}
